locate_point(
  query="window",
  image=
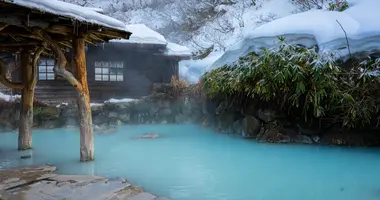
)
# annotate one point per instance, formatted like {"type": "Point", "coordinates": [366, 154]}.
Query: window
{"type": "Point", "coordinates": [45, 69]}
{"type": "Point", "coordinates": [108, 71]}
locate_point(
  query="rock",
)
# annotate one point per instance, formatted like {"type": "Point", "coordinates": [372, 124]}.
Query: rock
{"type": "Point", "coordinates": [251, 110]}
{"type": "Point", "coordinates": [237, 127]}
{"type": "Point", "coordinates": [143, 196]}
{"type": "Point", "coordinates": [251, 126]}
{"type": "Point", "coordinates": [304, 139]}
{"type": "Point", "coordinates": [124, 105]}
{"type": "Point", "coordinates": [25, 156]}
{"type": "Point", "coordinates": [180, 118]}
{"type": "Point", "coordinates": [49, 124]}
{"type": "Point", "coordinates": [164, 112]}
{"type": "Point", "coordinates": [97, 109]}
{"type": "Point", "coordinates": [267, 115]}
{"type": "Point", "coordinates": [162, 198]}
{"type": "Point", "coordinates": [274, 135]}
{"type": "Point", "coordinates": [307, 130]}
{"type": "Point", "coordinates": [126, 117]}
{"type": "Point", "coordinates": [46, 113]}
{"type": "Point", "coordinates": [149, 136]}
{"type": "Point", "coordinates": [113, 115]}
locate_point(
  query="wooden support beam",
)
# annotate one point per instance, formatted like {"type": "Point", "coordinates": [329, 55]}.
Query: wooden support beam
{"type": "Point", "coordinates": [5, 81]}
{"type": "Point", "coordinates": [22, 22]}
{"type": "Point", "coordinates": [19, 44]}
{"type": "Point", "coordinates": [60, 67]}
{"type": "Point", "coordinates": [86, 130]}
{"type": "Point", "coordinates": [3, 26]}
{"type": "Point", "coordinates": [29, 63]}
{"type": "Point", "coordinates": [27, 95]}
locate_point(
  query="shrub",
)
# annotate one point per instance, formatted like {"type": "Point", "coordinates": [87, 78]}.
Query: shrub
{"type": "Point", "coordinates": [178, 86]}
{"type": "Point", "coordinates": [333, 5]}
{"type": "Point", "coordinates": [338, 5]}
{"type": "Point", "coordinates": [298, 80]}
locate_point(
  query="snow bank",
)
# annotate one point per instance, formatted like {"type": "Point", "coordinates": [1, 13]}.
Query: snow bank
{"type": "Point", "coordinates": [126, 100]}
{"type": "Point", "coordinates": [6, 97]}
{"type": "Point", "coordinates": [191, 70]}
{"type": "Point", "coordinates": [177, 50]}
{"type": "Point", "coordinates": [70, 10]}
{"type": "Point", "coordinates": [96, 104]}
{"type": "Point", "coordinates": [317, 27]}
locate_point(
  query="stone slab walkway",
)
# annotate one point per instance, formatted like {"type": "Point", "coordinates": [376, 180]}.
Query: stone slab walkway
{"type": "Point", "coordinates": [40, 183]}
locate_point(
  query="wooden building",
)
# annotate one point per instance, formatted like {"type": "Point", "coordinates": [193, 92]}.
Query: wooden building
{"type": "Point", "coordinates": [118, 69]}
{"type": "Point", "coordinates": [34, 28]}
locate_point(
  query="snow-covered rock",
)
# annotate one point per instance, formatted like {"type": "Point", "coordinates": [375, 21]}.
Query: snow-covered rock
{"type": "Point", "coordinates": [71, 10]}
{"type": "Point", "coordinates": [317, 27]}
{"type": "Point", "coordinates": [6, 97]}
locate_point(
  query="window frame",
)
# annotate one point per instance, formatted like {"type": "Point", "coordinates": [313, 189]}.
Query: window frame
{"type": "Point", "coordinates": [46, 67]}
{"type": "Point", "coordinates": [109, 71]}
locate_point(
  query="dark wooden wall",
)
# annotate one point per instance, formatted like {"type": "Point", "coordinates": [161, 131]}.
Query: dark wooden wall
{"type": "Point", "coordinates": [143, 65]}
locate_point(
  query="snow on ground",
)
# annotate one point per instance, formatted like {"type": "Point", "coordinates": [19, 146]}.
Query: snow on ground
{"type": "Point", "coordinates": [317, 27]}
{"type": "Point", "coordinates": [70, 10]}
{"type": "Point", "coordinates": [6, 97]}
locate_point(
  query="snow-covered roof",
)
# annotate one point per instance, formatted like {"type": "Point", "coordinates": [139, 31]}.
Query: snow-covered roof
{"type": "Point", "coordinates": [89, 15]}
{"type": "Point", "coordinates": [141, 34]}
{"type": "Point", "coordinates": [317, 27]}
{"type": "Point", "coordinates": [177, 50]}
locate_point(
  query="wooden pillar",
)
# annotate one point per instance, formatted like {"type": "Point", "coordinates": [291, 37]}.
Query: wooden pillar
{"type": "Point", "coordinates": [86, 130]}
{"type": "Point", "coordinates": [27, 96]}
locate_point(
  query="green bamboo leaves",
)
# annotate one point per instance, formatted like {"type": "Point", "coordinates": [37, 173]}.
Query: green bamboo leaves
{"type": "Point", "coordinates": [299, 79]}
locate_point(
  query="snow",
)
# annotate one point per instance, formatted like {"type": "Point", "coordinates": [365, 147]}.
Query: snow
{"type": "Point", "coordinates": [62, 104]}
{"type": "Point", "coordinates": [126, 100]}
{"type": "Point", "coordinates": [73, 11]}
{"type": "Point", "coordinates": [317, 27]}
{"type": "Point", "coordinates": [191, 70]}
{"type": "Point", "coordinates": [6, 97]}
{"type": "Point", "coordinates": [176, 49]}
{"type": "Point", "coordinates": [243, 21]}
{"type": "Point", "coordinates": [96, 104]}
{"type": "Point", "coordinates": [99, 10]}
{"type": "Point", "coordinates": [141, 34]}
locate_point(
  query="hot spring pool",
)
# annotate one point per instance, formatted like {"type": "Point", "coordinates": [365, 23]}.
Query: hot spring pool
{"type": "Point", "coordinates": [192, 163]}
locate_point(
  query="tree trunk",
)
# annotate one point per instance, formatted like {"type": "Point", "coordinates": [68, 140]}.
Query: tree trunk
{"type": "Point", "coordinates": [86, 130]}
{"type": "Point", "coordinates": [27, 96]}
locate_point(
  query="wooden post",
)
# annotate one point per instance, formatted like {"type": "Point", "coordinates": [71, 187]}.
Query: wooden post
{"type": "Point", "coordinates": [86, 130]}
{"type": "Point", "coordinates": [27, 96]}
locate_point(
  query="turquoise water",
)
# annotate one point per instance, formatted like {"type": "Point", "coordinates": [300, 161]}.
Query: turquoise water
{"type": "Point", "coordinates": [192, 163]}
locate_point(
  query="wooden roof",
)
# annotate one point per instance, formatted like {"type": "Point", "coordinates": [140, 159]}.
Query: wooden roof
{"type": "Point", "coordinates": [22, 26]}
